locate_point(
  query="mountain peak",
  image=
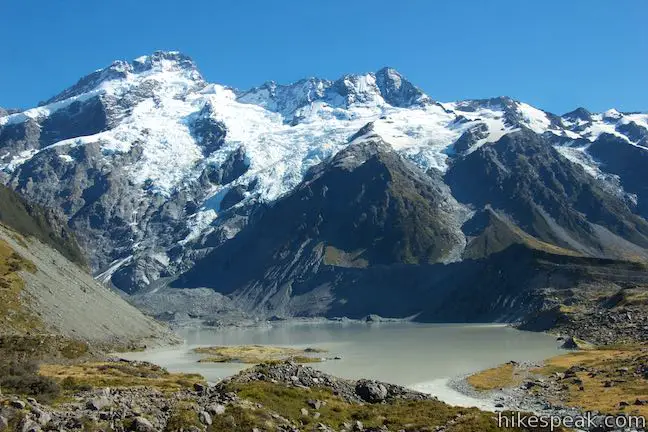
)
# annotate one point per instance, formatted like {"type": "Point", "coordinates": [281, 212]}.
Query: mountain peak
{"type": "Point", "coordinates": [388, 70]}
{"type": "Point", "coordinates": [397, 91]}
{"type": "Point", "coordinates": [579, 113]}
{"type": "Point", "coordinates": [159, 62]}
{"type": "Point", "coordinates": [164, 59]}
{"type": "Point", "coordinates": [386, 86]}
{"type": "Point", "coordinates": [612, 114]}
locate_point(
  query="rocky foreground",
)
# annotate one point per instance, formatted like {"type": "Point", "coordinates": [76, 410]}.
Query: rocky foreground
{"type": "Point", "coordinates": [268, 397]}
{"type": "Point", "coordinates": [603, 381]}
{"type": "Point", "coordinates": [600, 314]}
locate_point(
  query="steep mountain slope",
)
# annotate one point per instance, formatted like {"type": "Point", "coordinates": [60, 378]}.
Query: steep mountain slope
{"type": "Point", "coordinates": [551, 199]}
{"type": "Point", "coordinates": [43, 293]}
{"type": "Point", "coordinates": [154, 167]}
{"type": "Point", "coordinates": [339, 244]}
{"type": "Point", "coordinates": [628, 162]}
{"type": "Point", "coordinates": [43, 224]}
{"type": "Point", "coordinates": [54, 296]}
{"type": "Point", "coordinates": [366, 207]}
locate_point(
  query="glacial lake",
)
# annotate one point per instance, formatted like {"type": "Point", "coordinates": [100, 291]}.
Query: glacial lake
{"type": "Point", "coordinates": [420, 356]}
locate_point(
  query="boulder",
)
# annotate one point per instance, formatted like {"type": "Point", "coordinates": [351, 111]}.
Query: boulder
{"type": "Point", "coordinates": [98, 403]}
{"type": "Point", "coordinates": [42, 417]}
{"type": "Point", "coordinates": [140, 424]}
{"type": "Point", "coordinates": [30, 426]}
{"type": "Point", "coordinates": [17, 404]}
{"type": "Point", "coordinates": [371, 391]}
{"type": "Point", "coordinates": [205, 418]}
{"type": "Point", "coordinates": [216, 409]}
{"type": "Point", "coordinates": [315, 404]}
{"type": "Point", "coordinates": [570, 343]}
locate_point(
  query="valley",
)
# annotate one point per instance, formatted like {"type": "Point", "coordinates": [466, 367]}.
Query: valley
{"type": "Point", "coordinates": [332, 255]}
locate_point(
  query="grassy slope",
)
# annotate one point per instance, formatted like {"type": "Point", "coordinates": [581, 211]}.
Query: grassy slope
{"type": "Point", "coordinates": [612, 365]}
{"type": "Point", "coordinates": [117, 374]}
{"type": "Point", "coordinates": [608, 376]}
{"type": "Point", "coordinates": [334, 412]}
{"type": "Point", "coordinates": [13, 316]}
{"type": "Point", "coordinates": [500, 234]}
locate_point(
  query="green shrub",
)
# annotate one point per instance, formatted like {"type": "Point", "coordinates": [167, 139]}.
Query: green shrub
{"type": "Point", "coordinates": [182, 418]}
{"type": "Point", "coordinates": [21, 377]}
{"type": "Point", "coordinates": [70, 383]}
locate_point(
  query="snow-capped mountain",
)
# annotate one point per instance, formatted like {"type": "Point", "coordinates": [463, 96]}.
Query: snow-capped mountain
{"type": "Point", "coordinates": [154, 167]}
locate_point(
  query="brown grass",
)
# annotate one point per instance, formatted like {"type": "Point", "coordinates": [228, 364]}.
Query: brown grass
{"type": "Point", "coordinates": [607, 363]}
{"type": "Point", "coordinates": [633, 297]}
{"type": "Point", "coordinates": [339, 258]}
{"type": "Point", "coordinates": [502, 376]}
{"type": "Point", "coordinates": [14, 316]}
{"type": "Point", "coordinates": [255, 354]}
{"type": "Point", "coordinates": [118, 374]}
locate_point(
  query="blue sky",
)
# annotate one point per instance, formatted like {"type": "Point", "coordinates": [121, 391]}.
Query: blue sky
{"type": "Point", "coordinates": [556, 55]}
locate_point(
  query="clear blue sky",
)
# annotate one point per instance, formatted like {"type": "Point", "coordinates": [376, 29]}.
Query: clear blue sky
{"type": "Point", "coordinates": [554, 54]}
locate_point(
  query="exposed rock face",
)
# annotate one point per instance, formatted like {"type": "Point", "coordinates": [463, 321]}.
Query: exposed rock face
{"type": "Point", "coordinates": [77, 119]}
{"type": "Point", "coordinates": [366, 207]}
{"type": "Point", "coordinates": [234, 166]}
{"type": "Point", "coordinates": [627, 161]}
{"type": "Point", "coordinates": [570, 343]}
{"type": "Point", "coordinates": [355, 218]}
{"type": "Point", "coordinates": [386, 85]}
{"type": "Point", "coordinates": [579, 114]}
{"type": "Point", "coordinates": [209, 132]}
{"type": "Point", "coordinates": [470, 137]}
{"type": "Point", "coordinates": [98, 199]}
{"type": "Point", "coordinates": [549, 198]}
{"type": "Point", "coordinates": [91, 179]}
{"type": "Point", "coordinates": [397, 91]}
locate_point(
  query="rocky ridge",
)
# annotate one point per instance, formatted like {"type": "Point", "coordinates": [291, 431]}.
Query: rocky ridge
{"type": "Point", "coordinates": [229, 405]}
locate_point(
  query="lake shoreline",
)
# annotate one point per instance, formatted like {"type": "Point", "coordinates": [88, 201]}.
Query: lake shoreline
{"type": "Point", "coordinates": [369, 350]}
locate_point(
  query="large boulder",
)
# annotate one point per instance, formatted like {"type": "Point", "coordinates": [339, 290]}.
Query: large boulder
{"type": "Point", "coordinates": [570, 343]}
{"type": "Point", "coordinates": [371, 391]}
{"type": "Point", "coordinates": [98, 403]}
{"type": "Point", "coordinates": [140, 424]}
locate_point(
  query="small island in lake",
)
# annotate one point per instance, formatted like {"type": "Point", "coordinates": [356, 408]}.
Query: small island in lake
{"type": "Point", "coordinates": [254, 354]}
